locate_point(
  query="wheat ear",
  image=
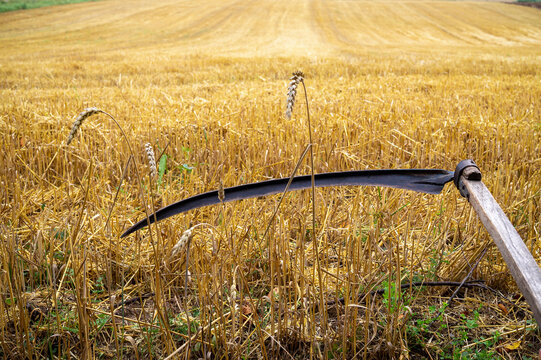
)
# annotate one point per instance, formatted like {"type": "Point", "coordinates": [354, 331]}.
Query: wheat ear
{"type": "Point", "coordinates": [77, 124]}
{"type": "Point", "coordinates": [181, 243]}
{"type": "Point", "coordinates": [184, 239]}
{"type": "Point", "coordinates": [297, 77]}
{"type": "Point", "coordinates": [221, 191]}
{"type": "Point", "coordinates": [151, 159]}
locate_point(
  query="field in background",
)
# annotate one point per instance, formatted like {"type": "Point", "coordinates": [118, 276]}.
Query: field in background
{"type": "Point", "coordinates": [12, 5]}
{"type": "Point", "coordinates": [417, 84]}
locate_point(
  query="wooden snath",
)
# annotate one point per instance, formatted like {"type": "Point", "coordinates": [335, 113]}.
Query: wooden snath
{"type": "Point", "coordinates": [520, 261]}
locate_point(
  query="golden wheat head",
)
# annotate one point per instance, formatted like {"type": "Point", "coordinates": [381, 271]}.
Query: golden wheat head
{"type": "Point", "coordinates": [151, 159]}
{"type": "Point", "coordinates": [77, 124]}
{"type": "Point", "coordinates": [297, 77]}
{"type": "Point", "coordinates": [182, 242]}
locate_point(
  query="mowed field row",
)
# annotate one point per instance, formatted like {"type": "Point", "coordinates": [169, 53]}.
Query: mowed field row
{"type": "Point", "coordinates": [267, 27]}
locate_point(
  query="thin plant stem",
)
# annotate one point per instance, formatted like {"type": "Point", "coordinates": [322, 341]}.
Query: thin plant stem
{"type": "Point", "coordinates": [187, 354]}
{"type": "Point", "coordinates": [169, 342]}
{"type": "Point", "coordinates": [314, 238]}
{"type": "Point", "coordinates": [309, 146]}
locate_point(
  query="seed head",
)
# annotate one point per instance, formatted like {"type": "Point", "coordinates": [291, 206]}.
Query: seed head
{"type": "Point", "coordinates": [181, 243]}
{"type": "Point", "coordinates": [151, 159]}
{"type": "Point", "coordinates": [77, 124]}
{"type": "Point", "coordinates": [233, 295]}
{"type": "Point", "coordinates": [297, 77]}
{"type": "Point", "coordinates": [233, 290]}
{"type": "Point", "coordinates": [221, 192]}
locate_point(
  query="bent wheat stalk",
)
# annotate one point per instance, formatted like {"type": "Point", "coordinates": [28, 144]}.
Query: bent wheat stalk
{"type": "Point", "coordinates": [298, 77]}
{"type": "Point", "coordinates": [76, 125]}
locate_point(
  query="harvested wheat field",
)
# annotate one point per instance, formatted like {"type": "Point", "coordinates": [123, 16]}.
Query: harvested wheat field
{"type": "Point", "coordinates": [193, 98]}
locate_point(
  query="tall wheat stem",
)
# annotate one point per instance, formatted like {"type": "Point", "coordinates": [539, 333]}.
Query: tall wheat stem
{"type": "Point", "coordinates": [87, 113]}
{"type": "Point", "coordinates": [314, 239]}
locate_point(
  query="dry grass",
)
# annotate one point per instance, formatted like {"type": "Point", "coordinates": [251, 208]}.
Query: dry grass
{"type": "Point", "coordinates": [412, 85]}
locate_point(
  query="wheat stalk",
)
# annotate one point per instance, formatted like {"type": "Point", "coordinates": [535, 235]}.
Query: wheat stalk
{"type": "Point", "coordinates": [77, 124]}
{"type": "Point", "coordinates": [297, 77]}
{"type": "Point", "coordinates": [295, 80]}
{"type": "Point", "coordinates": [151, 159]}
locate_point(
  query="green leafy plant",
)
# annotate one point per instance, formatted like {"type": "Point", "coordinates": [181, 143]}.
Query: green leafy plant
{"type": "Point", "coordinates": [162, 168]}
{"type": "Point", "coordinates": [12, 5]}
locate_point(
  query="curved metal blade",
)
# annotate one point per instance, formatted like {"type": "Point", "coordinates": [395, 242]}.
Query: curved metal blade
{"type": "Point", "coordinates": [429, 181]}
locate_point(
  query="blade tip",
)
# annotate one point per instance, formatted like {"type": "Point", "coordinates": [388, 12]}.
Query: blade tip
{"type": "Point", "coordinates": [132, 229]}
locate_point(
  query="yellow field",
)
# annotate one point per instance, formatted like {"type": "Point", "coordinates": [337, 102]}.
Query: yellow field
{"type": "Point", "coordinates": [390, 84]}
